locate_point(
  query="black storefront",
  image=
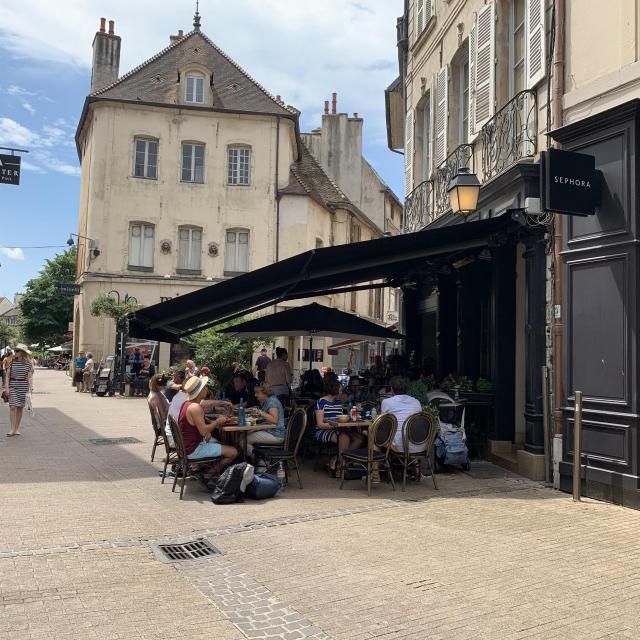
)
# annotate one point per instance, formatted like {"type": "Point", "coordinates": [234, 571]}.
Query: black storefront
{"type": "Point", "coordinates": [600, 311]}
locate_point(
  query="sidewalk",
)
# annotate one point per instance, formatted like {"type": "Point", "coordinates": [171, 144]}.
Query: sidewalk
{"type": "Point", "coordinates": [490, 556]}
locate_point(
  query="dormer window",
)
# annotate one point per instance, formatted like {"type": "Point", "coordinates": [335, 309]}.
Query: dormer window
{"type": "Point", "coordinates": [194, 88]}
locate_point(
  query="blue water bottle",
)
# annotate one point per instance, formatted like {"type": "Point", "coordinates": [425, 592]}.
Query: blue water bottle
{"type": "Point", "coordinates": [241, 421]}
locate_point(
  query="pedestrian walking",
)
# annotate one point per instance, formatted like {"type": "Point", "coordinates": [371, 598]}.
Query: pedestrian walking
{"type": "Point", "coordinates": [78, 374]}
{"type": "Point", "coordinates": [261, 364]}
{"type": "Point", "coordinates": [87, 374]}
{"type": "Point", "coordinates": [18, 386]}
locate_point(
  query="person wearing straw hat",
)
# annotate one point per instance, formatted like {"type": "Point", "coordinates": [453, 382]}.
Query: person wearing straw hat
{"type": "Point", "coordinates": [196, 432]}
{"type": "Point", "coordinates": [18, 382]}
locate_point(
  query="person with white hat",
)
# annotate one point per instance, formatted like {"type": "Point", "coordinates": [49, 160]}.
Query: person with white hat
{"type": "Point", "coordinates": [196, 432]}
{"type": "Point", "coordinates": [18, 382]}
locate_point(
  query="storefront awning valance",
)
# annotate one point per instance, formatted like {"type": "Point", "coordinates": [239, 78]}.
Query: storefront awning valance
{"type": "Point", "coordinates": [313, 273]}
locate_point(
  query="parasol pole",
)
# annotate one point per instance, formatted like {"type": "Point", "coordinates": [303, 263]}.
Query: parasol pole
{"type": "Point", "coordinates": [310, 351]}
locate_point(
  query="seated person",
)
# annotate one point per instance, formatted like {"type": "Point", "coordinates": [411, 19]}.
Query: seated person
{"type": "Point", "coordinates": [174, 384]}
{"type": "Point", "coordinates": [238, 389]}
{"type": "Point", "coordinates": [272, 411]}
{"type": "Point", "coordinates": [329, 407]}
{"type": "Point", "coordinates": [353, 391]}
{"type": "Point", "coordinates": [401, 406]}
{"type": "Point", "coordinates": [181, 397]}
{"type": "Point", "coordinates": [196, 432]}
{"type": "Point", "coordinates": [141, 381]}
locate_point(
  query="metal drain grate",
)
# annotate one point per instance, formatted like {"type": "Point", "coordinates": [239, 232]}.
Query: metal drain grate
{"type": "Point", "coordinates": [104, 441]}
{"type": "Point", "coordinates": [189, 550]}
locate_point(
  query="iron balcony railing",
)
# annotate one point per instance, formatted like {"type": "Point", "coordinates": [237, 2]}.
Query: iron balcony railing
{"type": "Point", "coordinates": [462, 156]}
{"type": "Point", "coordinates": [418, 207]}
{"type": "Point", "coordinates": [511, 135]}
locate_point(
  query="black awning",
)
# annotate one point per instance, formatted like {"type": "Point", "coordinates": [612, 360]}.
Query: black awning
{"type": "Point", "coordinates": [315, 272]}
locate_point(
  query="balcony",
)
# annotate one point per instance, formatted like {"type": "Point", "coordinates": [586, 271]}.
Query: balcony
{"type": "Point", "coordinates": [510, 136]}
{"type": "Point", "coordinates": [418, 210]}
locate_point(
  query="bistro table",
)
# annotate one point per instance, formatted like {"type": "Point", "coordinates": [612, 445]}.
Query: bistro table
{"type": "Point", "coordinates": [362, 425]}
{"type": "Point", "coordinates": [243, 430]}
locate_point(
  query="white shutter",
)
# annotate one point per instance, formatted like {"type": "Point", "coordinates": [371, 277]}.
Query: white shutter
{"type": "Point", "coordinates": [441, 116]}
{"type": "Point", "coordinates": [147, 247]}
{"type": "Point", "coordinates": [535, 55]}
{"type": "Point", "coordinates": [408, 152]}
{"type": "Point", "coordinates": [472, 81]}
{"type": "Point", "coordinates": [484, 67]}
{"type": "Point", "coordinates": [420, 17]}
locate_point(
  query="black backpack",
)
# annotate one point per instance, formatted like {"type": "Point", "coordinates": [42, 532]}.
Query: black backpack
{"type": "Point", "coordinates": [228, 487]}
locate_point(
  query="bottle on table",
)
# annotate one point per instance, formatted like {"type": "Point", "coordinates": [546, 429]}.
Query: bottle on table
{"type": "Point", "coordinates": [354, 414]}
{"type": "Point", "coordinates": [374, 413]}
{"type": "Point", "coordinates": [241, 420]}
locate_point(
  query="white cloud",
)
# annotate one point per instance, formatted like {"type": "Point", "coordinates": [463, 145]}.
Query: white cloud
{"type": "Point", "coordinates": [14, 134]}
{"type": "Point", "coordinates": [28, 107]}
{"type": "Point", "coordinates": [15, 90]}
{"type": "Point", "coordinates": [28, 166]}
{"type": "Point", "coordinates": [12, 253]}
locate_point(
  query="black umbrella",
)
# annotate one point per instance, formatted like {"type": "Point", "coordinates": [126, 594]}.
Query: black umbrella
{"type": "Point", "coordinates": [313, 320]}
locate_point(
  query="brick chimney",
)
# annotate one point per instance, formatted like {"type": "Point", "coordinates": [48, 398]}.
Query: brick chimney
{"type": "Point", "coordinates": [106, 56]}
{"type": "Point", "coordinates": [176, 38]}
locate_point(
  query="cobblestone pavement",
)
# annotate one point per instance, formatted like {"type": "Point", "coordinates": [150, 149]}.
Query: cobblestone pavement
{"type": "Point", "coordinates": [489, 555]}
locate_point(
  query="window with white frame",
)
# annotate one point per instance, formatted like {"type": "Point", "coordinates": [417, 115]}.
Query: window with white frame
{"type": "Point", "coordinates": [518, 46]}
{"type": "Point", "coordinates": [192, 162]}
{"type": "Point", "coordinates": [189, 248]}
{"type": "Point", "coordinates": [194, 88]}
{"type": "Point", "coordinates": [424, 11]}
{"type": "Point", "coordinates": [239, 166]}
{"type": "Point", "coordinates": [145, 161]}
{"type": "Point", "coordinates": [141, 246]}
{"type": "Point", "coordinates": [236, 256]}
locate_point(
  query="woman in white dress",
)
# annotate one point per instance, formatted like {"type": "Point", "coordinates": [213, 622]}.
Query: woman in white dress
{"type": "Point", "coordinates": [18, 383]}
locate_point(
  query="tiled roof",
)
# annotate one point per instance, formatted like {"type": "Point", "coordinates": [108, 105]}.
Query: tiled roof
{"type": "Point", "coordinates": [156, 80]}
{"type": "Point", "coordinates": [307, 177]}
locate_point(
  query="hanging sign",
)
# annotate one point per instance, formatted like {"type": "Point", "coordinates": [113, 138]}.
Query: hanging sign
{"type": "Point", "coordinates": [9, 169]}
{"type": "Point", "coordinates": [570, 182]}
{"type": "Point", "coordinates": [70, 289]}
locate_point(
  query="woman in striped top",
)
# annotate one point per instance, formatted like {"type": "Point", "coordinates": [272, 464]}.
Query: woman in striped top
{"type": "Point", "coordinates": [18, 382]}
{"type": "Point", "coordinates": [329, 408]}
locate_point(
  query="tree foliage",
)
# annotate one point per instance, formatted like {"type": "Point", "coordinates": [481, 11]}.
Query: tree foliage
{"type": "Point", "coordinates": [7, 334]}
{"type": "Point", "coordinates": [45, 312]}
{"type": "Point", "coordinates": [103, 305]}
{"type": "Point", "coordinates": [219, 350]}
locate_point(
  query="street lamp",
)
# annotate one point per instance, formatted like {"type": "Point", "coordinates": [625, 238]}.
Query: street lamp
{"type": "Point", "coordinates": [464, 190]}
{"type": "Point", "coordinates": [95, 252]}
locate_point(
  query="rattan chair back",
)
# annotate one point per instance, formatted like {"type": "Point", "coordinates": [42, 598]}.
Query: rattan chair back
{"type": "Point", "coordinates": [176, 432]}
{"type": "Point", "coordinates": [381, 432]}
{"type": "Point", "coordinates": [154, 403]}
{"type": "Point", "coordinates": [415, 431]}
{"type": "Point", "coordinates": [295, 430]}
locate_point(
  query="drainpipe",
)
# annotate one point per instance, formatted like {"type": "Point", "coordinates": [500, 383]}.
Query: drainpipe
{"type": "Point", "coordinates": [558, 322]}
{"type": "Point", "coordinates": [277, 189]}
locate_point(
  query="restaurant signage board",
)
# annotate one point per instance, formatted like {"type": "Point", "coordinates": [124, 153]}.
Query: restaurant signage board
{"type": "Point", "coordinates": [70, 289]}
{"type": "Point", "coordinates": [570, 182]}
{"type": "Point", "coordinates": [9, 169]}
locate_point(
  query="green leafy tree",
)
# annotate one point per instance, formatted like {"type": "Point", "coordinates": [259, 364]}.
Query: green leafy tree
{"type": "Point", "coordinates": [7, 334]}
{"type": "Point", "coordinates": [219, 350]}
{"type": "Point", "coordinates": [104, 305]}
{"type": "Point", "coordinates": [45, 313]}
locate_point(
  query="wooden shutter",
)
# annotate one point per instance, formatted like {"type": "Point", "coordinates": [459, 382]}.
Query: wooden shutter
{"type": "Point", "coordinates": [441, 116]}
{"type": "Point", "coordinates": [484, 67]}
{"type": "Point", "coordinates": [472, 81]}
{"type": "Point", "coordinates": [420, 17]}
{"type": "Point", "coordinates": [535, 55]}
{"type": "Point", "coordinates": [408, 152]}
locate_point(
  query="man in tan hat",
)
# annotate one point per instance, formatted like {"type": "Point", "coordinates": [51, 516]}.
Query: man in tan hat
{"type": "Point", "coordinates": [198, 441]}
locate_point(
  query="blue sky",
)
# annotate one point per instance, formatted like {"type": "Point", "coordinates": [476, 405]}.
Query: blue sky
{"type": "Point", "coordinates": [287, 45]}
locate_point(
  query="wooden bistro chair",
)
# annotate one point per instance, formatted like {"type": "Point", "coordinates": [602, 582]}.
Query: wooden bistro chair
{"type": "Point", "coordinates": [288, 452]}
{"type": "Point", "coordinates": [183, 464]}
{"type": "Point", "coordinates": [156, 404]}
{"type": "Point", "coordinates": [420, 430]}
{"type": "Point", "coordinates": [381, 434]}
{"type": "Point", "coordinates": [170, 450]}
